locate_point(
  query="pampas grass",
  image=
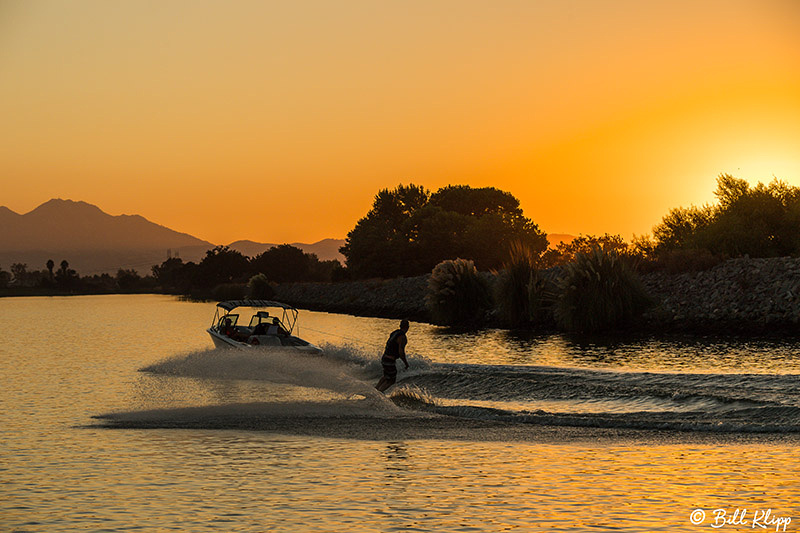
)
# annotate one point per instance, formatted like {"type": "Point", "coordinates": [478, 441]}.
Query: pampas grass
{"type": "Point", "coordinates": [457, 294]}
{"type": "Point", "coordinates": [598, 291]}
{"type": "Point", "coordinates": [523, 293]}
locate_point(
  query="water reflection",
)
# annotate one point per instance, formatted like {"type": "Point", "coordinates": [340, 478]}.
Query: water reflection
{"type": "Point", "coordinates": [662, 353]}
{"type": "Point", "coordinates": [396, 456]}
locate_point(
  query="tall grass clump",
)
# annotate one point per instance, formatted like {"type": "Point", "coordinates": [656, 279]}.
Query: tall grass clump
{"type": "Point", "coordinates": [522, 292]}
{"type": "Point", "coordinates": [259, 288]}
{"type": "Point", "coordinates": [229, 291]}
{"type": "Point", "coordinates": [457, 294]}
{"type": "Point", "coordinates": [598, 291]}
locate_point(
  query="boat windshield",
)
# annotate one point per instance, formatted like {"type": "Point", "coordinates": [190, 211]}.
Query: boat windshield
{"type": "Point", "coordinates": [263, 317]}
{"type": "Point", "coordinates": [233, 317]}
{"type": "Point", "coordinates": [278, 315]}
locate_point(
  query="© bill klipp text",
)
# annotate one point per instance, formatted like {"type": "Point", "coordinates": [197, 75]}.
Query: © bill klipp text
{"type": "Point", "coordinates": [756, 519]}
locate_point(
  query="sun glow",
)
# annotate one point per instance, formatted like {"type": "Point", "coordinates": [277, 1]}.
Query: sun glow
{"type": "Point", "coordinates": [598, 116]}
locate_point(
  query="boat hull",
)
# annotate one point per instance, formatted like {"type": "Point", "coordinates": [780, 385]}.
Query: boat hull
{"type": "Point", "coordinates": [225, 342]}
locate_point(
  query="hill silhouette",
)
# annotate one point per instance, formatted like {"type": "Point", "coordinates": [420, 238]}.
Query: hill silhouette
{"type": "Point", "coordinates": [95, 242]}
{"type": "Point", "coordinates": [68, 225]}
{"type": "Point", "coordinates": [90, 239]}
{"type": "Point", "coordinates": [325, 250]}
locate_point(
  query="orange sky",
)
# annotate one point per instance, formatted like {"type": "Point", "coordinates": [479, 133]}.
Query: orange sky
{"type": "Point", "coordinates": [279, 121]}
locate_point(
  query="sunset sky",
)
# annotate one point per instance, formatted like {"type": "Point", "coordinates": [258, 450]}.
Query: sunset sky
{"type": "Point", "coordinates": [279, 121]}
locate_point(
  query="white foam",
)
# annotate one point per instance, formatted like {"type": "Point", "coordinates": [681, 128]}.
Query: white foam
{"type": "Point", "coordinates": [337, 374]}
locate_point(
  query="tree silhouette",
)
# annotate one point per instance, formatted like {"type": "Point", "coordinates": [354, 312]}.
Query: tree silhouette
{"type": "Point", "coordinates": [19, 271]}
{"type": "Point", "coordinates": [65, 276]}
{"type": "Point", "coordinates": [760, 221]}
{"type": "Point", "coordinates": [409, 231]}
{"type": "Point", "coordinates": [283, 263]}
{"type": "Point", "coordinates": [221, 265]}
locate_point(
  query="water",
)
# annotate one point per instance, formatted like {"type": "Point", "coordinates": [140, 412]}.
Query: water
{"type": "Point", "coordinates": [495, 432]}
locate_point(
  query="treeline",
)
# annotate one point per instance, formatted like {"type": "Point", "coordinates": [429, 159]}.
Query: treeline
{"type": "Point", "coordinates": [222, 274]}
{"type": "Point", "coordinates": [409, 230]}
{"type": "Point", "coordinates": [587, 285]}
{"type": "Point", "coordinates": [66, 280]}
{"type": "Point", "coordinates": [228, 274]}
{"type": "Point", "coordinates": [760, 221]}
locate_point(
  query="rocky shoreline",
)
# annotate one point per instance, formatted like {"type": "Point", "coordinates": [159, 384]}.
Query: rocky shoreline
{"type": "Point", "coordinates": [738, 296]}
{"type": "Point", "coordinates": [390, 298]}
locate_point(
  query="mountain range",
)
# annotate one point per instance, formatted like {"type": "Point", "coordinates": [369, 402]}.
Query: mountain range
{"type": "Point", "coordinates": [94, 242]}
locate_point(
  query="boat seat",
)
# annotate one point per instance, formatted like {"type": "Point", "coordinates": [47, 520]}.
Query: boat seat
{"type": "Point", "coordinates": [267, 340]}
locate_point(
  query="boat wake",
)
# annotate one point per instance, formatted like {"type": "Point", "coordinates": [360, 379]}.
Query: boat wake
{"type": "Point", "coordinates": [338, 390]}
{"type": "Point", "coordinates": [606, 399]}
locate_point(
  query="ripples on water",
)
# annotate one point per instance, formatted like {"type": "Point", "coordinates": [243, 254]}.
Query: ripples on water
{"type": "Point", "coordinates": [67, 359]}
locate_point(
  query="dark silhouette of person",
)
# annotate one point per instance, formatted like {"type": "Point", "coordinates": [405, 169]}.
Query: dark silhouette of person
{"type": "Point", "coordinates": [395, 349]}
{"type": "Point", "coordinates": [227, 328]}
{"type": "Point", "coordinates": [230, 331]}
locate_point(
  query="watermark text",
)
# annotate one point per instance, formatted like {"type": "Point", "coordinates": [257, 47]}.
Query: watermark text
{"type": "Point", "coordinates": [751, 519]}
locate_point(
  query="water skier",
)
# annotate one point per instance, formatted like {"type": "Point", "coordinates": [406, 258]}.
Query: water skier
{"type": "Point", "coordinates": [395, 349]}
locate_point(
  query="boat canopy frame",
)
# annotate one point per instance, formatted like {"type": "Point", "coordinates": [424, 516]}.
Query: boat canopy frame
{"type": "Point", "coordinates": [288, 320]}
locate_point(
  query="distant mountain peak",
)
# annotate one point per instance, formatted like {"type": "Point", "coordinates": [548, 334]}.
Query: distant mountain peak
{"type": "Point", "coordinates": [94, 241]}
{"type": "Point", "coordinates": [326, 249]}
{"type": "Point", "coordinates": [58, 206]}
{"type": "Point", "coordinates": [60, 224]}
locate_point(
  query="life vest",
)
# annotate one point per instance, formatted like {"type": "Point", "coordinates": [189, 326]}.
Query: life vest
{"type": "Point", "coordinates": [392, 349]}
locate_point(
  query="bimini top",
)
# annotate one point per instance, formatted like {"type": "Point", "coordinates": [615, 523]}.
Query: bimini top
{"type": "Point", "coordinates": [233, 304]}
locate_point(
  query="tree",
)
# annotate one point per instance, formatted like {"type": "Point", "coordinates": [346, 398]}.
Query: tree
{"type": "Point", "coordinates": [66, 277]}
{"type": "Point", "coordinates": [374, 246]}
{"type": "Point", "coordinates": [565, 252]}
{"type": "Point", "coordinates": [128, 279]}
{"type": "Point", "coordinates": [494, 220]}
{"type": "Point", "coordinates": [221, 265]}
{"type": "Point", "coordinates": [50, 265]}
{"type": "Point", "coordinates": [760, 221]}
{"type": "Point", "coordinates": [473, 202]}
{"type": "Point", "coordinates": [409, 231]}
{"type": "Point", "coordinates": [679, 227]}
{"type": "Point", "coordinates": [5, 278]}
{"type": "Point", "coordinates": [172, 274]}
{"type": "Point", "coordinates": [19, 272]}
{"type": "Point", "coordinates": [284, 263]}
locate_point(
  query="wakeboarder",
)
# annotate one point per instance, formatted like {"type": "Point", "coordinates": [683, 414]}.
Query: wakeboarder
{"type": "Point", "coordinates": [395, 349]}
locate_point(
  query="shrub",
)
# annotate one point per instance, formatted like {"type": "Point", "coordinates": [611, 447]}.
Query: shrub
{"type": "Point", "coordinates": [457, 294]}
{"type": "Point", "coordinates": [598, 291]}
{"type": "Point", "coordinates": [229, 291]}
{"type": "Point", "coordinates": [259, 288]}
{"type": "Point", "coordinates": [522, 292]}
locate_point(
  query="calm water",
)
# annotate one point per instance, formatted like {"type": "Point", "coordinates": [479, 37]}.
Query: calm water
{"type": "Point", "coordinates": [65, 360]}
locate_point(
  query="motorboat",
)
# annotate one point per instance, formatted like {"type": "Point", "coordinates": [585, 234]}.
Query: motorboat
{"type": "Point", "coordinates": [270, 327]}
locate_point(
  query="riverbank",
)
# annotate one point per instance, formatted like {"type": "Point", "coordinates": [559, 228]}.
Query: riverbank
{"type": "Point", "coordinates": [743, 295]}
{"type": "Point", "coordinates": [390, 298]}
{"type": "Point", "coordinates": [17, 292]}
